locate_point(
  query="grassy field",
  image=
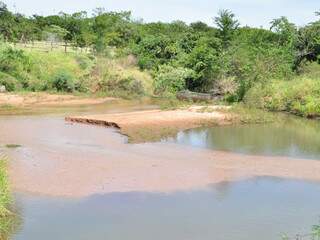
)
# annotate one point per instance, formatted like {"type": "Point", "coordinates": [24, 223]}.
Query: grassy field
{"type": "Point", "coordinates": [72, 71]}
{"type": "Point", "coordinates": [44, 46]}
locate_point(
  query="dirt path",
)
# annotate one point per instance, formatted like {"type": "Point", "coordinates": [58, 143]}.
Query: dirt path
{"type": "Point", "coordinates": [76, 160]}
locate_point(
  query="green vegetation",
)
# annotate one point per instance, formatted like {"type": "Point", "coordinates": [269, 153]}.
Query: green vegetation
{"type": "Point", "coordinates": [5, 194]}
{"type": "Point", "coordinates": [12, 145]}
{"type": "Point", "coordinates": [8, 221]}
{"type": "Point", "coordinates": [314, 235]}
{"type": "Point", "coordinates": [299, 95]}
{"type": "Point", "coordinates": [129, 58]}
{"type": "Point", "coordinates": [242, 114]}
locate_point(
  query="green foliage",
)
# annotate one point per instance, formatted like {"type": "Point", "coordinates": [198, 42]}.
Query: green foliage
{"type": "Point", "coordinates": [14, 62]}
{"type": "Point", "coordinates": [227, 24]}
{"type": "Point", "coordinates": [11, 83]}
{"type": "Point", "coordinates": [203, 59]}
{"type": "Point", "coordinates": [154, 50]}
{"type": "Point", "coordinates": [5, 193]}
{"type": "Point", "coordinates": [54, 33]}
{"type": "Point", "coordinates": [300, 96]}
{"type": "Point", "coordinates": [316, 232]}
{"type": "Point", "coordinates": [9, 221]}
{"type": "Point", "coordinates": [120, 86]}
{"type": "Point", "coordinates": [170, 80]}
{"type": "Point", "coordinates": [226, 60]}
{"type": "Point", "coordinates": [63, 81]}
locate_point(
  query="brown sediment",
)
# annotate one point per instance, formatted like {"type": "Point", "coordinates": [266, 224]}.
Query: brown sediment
{"type": "Point", "coordinates": [151, 125]}
{"type": "Point", "coordinates": [77, 160]}
{"type": "Point", "coordinates": [157, 168]}
{"type": "Point", "coordinates": [45, 99]}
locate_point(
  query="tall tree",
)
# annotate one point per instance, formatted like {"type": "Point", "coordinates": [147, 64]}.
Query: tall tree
{"type": "Point", "coordinates": [6, 22]}
{"type": "Point", "coordinates": [227, 25]}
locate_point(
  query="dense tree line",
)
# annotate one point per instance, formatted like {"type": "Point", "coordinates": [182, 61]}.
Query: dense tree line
{"type": "Point", "coordinates": [227, 59]}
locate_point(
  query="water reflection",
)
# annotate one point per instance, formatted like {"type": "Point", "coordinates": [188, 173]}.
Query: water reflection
{"type": "Point", "coordinates": [261, 208]}
{"type": "Point", "coordinates": [292, 137]}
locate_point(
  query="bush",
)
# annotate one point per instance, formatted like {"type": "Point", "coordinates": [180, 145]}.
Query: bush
{"type": "Point", "coordinates": [14, 62]}
{"type": "Point", "coordinates": [120, 86]}
{"type": "Point", "coordinates": [84, 62]}
{"type": "Point", "coordinates": [300, 96]}
{"type": "Point", "coordinates": [63, 81]}
{"type": "Point", "coordinates": [11, 83]}
{"type": "Point", "coordinates": [170, 80]}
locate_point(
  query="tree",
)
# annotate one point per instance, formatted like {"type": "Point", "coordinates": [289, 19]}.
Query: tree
{"type": "Point", "coordinates": [199, 26]}
{"type": "Point", "coordinates": [308, 43]}
{"type": "Point", "coordinates": [227, 25]}
{"type": "Point", "coordinates": [55, 33]}
{"type": "Point", "coordinates": [286, 31]}
{"type": "Point", "coordinates": [6, 22]}
{"type": "Point", "coordinates": [25, 29]}
{"type": "Point", "coordinates": [203, 60]}
{"type": "Point", "coordinates": [111, 29]}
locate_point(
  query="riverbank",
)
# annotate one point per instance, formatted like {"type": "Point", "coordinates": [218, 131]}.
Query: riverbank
{"type": "Point", "coordinates": [26, 99]}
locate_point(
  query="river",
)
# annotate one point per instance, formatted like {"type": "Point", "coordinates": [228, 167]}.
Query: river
{"type": "Point", "coordinates": [55, 156]}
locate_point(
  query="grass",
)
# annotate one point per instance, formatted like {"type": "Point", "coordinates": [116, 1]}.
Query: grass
{"type": "Point", "coordinates": [9, 221]}
{"type": "Point", "coordinates": [76, 72]}
{"type": "Point", "coordinates": [5, 194]}
{"type": "Point", "coordinates": [47, 65]}
{"type": "Point", "coordinates": [299, 96]}
{"type": "Point", "coordinates": [243, 114]}
{"type": "Point", "coordinates": [7, 107]}
{"type": "Point", "coordinates": [172, 103]}
{"type": "Point", "coordinates": [12, 145]}
{"type": "Point", "coordinates": [43, 46]}
{"type": "Point", "coordinates": [119, 77]}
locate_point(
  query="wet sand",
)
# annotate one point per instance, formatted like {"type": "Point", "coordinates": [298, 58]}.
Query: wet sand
{"type": "Point", "coordinates": [143, 126]}
{"type": "Point", "coordinates": [76, 160]}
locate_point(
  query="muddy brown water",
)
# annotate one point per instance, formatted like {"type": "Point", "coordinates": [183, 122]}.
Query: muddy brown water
{"type": "Point", "coordinates": [252, 208]}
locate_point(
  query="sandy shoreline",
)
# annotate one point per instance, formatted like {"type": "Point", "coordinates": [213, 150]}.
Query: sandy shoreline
{"type": "Point", "coordinates": [46, 99]}
{"type": "Point", "coordinates": [77, 160]}
{"type": "Point", "coordinates": [144, 126]}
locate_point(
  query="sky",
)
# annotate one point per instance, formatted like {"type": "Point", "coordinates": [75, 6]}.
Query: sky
{"type": "Point", "coordinates": [256, 13]}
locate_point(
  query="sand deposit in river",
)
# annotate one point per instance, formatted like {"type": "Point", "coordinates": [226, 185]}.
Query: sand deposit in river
{"type": "Point", "coordinates": [142, 126]}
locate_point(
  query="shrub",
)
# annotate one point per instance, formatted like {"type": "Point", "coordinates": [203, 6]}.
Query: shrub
{"type": "Point", "coordinates": [300, 96]}
{"type": "Point", "coordinates": [63, 81]}
{"type": "Point", "coordinates": [14, 62]}
{"type": "Point", "coordinates": [170, 80]}
{"type": "Point", "coordinates": [120, 86]}
{"type": "Point", "coordinates": [84, 62]}
{"type": "Point", "coordinates": [9, 82]}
